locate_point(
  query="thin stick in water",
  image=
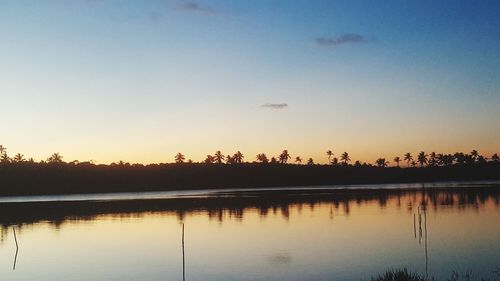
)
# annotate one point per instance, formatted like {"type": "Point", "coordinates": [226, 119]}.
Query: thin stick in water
{"type": "Point", "coordinates": [183, 257]}
{"type": "Point", "coordinates": [414, 227]}
{"type": "Point", "coordinates": [17, 249]}
{"type": "Point", "coordinates": [15, 237]}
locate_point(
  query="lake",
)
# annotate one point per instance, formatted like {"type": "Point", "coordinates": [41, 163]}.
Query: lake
{"type": "Point", "coordinates": [294, 234]}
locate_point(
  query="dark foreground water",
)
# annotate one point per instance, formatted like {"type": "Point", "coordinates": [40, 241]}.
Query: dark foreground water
{"type": "Point", "coordinates": [294, 234]}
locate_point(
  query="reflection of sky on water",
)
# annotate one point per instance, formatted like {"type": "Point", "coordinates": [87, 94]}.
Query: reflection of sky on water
{"type": "Point", "coordinates": [292, 237]}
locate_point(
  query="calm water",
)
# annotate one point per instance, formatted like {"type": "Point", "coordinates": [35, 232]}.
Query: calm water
{"type": "Point", "coordinates": [322, 234]}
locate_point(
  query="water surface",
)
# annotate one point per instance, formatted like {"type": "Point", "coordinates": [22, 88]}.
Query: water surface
{"type": "Point", "coordinates": [287, 234]}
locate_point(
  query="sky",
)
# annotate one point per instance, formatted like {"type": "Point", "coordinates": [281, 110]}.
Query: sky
{"type": "Point", "coordinates": [139, 81]}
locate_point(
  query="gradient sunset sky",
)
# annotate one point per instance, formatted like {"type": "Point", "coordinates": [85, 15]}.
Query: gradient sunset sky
{"type": "Point", "coordinates": [140, 81]}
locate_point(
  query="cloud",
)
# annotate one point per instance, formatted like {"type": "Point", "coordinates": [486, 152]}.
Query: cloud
{"type": "Point", "coordinates": [275, 105]}
{"type": "Point", "coordinates": [192, 6]}
{"type": "Point", "coordinates": [347, 38]}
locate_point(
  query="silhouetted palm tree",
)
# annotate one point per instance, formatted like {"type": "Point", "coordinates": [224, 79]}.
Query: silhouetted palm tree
{"type": "Point", "coordinates": [459, 157]}
{"type": "Point", "coordinates": [229, 159]}
{"type": "Point", "coordinates": [330, 154]}
{"type": "Point", "coordinates": [381, 162]}
{"type": "Point", "coordinates": [310, 161]}
{"type": "Point", "coordinates": [284, 156]}
{"type": "Point", "coordinates": [397, 160]}
{"type": "Point", "coordinates": [209, 160]}
{"type": "Point", "coordinates": [179, 158]}
{"type": "Point", "coordinates": [3, 149]}
{"type": "Point", "coordinates": [335, 161]}
{"type": "Point", "coordinates": [274, 160]}
{"type": "Point", "coordinates": [18, 158]}
{"type": "Point", "coordinates": [298, 160]}
{"type": "Point", "coordinates": [238, 157]}
{"type": "Point", "coordinates": [55, 158]}
{"type": "Point", "coordinates": [422, 158]}
{"type": "Point", "coordinates": [495, 158]}
{"type": "Point", "coordinates": [413, 163]}
{"type": "Point", "coordinates": [474, 154]}
{"type": "Point", "coordinates": [219, 157]}
{"type": "Point", "coordinates": [262, 158]}
{"type": "Point", "coordinates": [408, 158]}
{"type": "Point", "coordinates": [432, 159]}
{"type": "Point", "coordinates": [481, 159]}
{"type": "Point", "coordinates": [469, 159]}
{"type": "Point", "coordinates": [345, 158]}
{"type": "Point", "coordinates": [4, 158]}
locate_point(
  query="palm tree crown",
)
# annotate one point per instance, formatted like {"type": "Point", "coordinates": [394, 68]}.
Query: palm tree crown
{"type": "Point", "coordinates": [422, 158]}
{"type": "Point", "coordinates": [238, 157]}
{"type": "Point", "coordinates": [55, 158]}
{"type": "Point", "coordinates": [397, 160]}
{"type": "Point", "coordinates": [298, 160]}
{"type": "Point", "coordinates": [330, 154]}
{"type": "Point", "coordinates": [218, 157]}
{"type": "Point", "coordinates": [345, 158]}
{"type": "Point", "coordinates": [408, 158]}
{"type": "Point", "coordinates": [262, 158]}
{"type": "Point", "coordinates": [284, 156]}
{"type": "Point", "coordinates": [179, 158]}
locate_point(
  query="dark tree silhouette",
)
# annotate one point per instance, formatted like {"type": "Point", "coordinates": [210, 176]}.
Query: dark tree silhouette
{"type": "Point", "coordinates": [209, 160]}
{"type": "Point", "coordinates": [262, 158]}
{"type": "Point", "coordinates": [4, 158]}
{"type": "Point", "coordinates": [218, 157]}
{"type": "Point", "coordinates": [481, 159]}
{"type": "Point", "coordinates": [284, 156]}
{"type": "Point", "coordinates": [274, 160]}
{"type": "Point", "coordinates": [298, 160]}
{"type": "Point", "coordinates": [330, 154]}
{"type": "Point", "coordinates": [381, 162]}
{"type": "Point", "coordinates": [345, 158]}
{"type": "Point", "coordinates": [238, 157]}
{"type": "Point", "coordinates": [229, 159]}
{"type": "Point", "coordinates": [432, 159]}
{"type": "Point", "coordinates": [397, 160]}
{"type": "Point", "coordinates": [310, 161]}
{"type": "Point", "coordinates": [413, 163]}
{"type": "Point", "coordinates": [335, 161]}
{"type": "Point", "coordinates": [18, 158]}
{"type": "Point", "coordinates": [459, 158]}
{"type": "Point", "coordinates": [474, 155]}
{"type": "Point", "coordinates": [179, 158]}
{"type": "Point", "coordinates": [55, 158]}
{"type": "Point", "coordinates": [408, 158]}
{"type": "Point", "coordinates": [446, 159]}
{"type": "Point", "coordinates": [495, 158]}
{"type": "Point", "coordinates": [422, 158]}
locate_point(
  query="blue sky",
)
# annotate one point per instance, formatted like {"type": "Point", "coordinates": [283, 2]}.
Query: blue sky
{"type": "Point", "coordinates": [141, 80]}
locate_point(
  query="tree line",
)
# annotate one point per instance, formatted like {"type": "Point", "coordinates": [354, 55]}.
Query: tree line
{"type": "Point", "coordinates": [422, 159]}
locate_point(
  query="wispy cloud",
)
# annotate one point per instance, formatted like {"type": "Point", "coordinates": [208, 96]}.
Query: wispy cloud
{"type": "Point", "coordinates": [195, 7]}
{"type": "Point", "coordinates": [275, 105]}
{"type": "Point", "coordinates": [344, 39]}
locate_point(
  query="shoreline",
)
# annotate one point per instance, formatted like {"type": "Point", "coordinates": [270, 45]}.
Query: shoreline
{"type": "Point", "coordinates": [196, 193]}
{"type": "Point", "coordinates": [66, 179]}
